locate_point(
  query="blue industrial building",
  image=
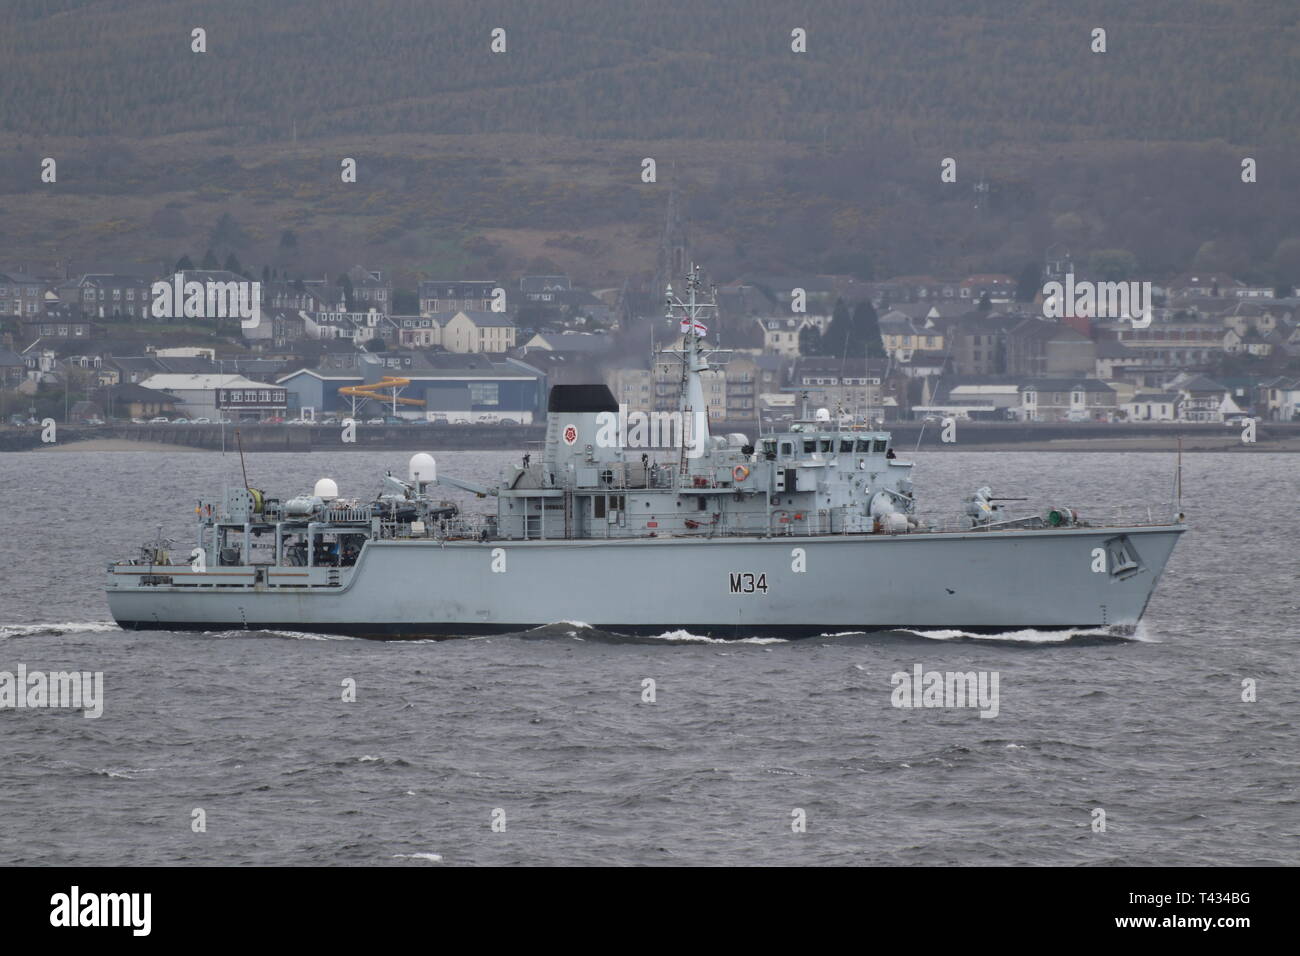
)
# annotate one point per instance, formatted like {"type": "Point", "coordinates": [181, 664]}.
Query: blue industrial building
{"type": "Point", "coordinates": [454, 388]}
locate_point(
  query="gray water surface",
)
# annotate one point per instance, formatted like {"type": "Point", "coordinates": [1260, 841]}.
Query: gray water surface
{"type": "Point", "coordinates": [550, 728]}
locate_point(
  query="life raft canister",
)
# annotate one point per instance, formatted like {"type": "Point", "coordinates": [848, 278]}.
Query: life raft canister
{"type": "Point", "coordinates": [740, 473]}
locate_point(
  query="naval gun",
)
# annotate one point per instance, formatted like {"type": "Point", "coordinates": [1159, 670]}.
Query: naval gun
{"type": "Point", "coordinates": [981, 510]}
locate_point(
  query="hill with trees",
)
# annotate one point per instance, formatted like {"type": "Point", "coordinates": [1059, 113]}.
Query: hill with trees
{"type": "Point", "coordinates": [473, 162]}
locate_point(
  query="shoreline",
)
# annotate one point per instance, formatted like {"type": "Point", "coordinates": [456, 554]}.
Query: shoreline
{"type": "Point", "coordinates": [117, 444]}
{"type": "Point", "coordinates": [1191, 444]}
{"type": "Point", "coordinates": [1225, 443]}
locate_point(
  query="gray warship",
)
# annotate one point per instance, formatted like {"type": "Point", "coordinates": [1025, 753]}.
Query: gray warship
{"type": "Point", "coordinates": [811, 530]}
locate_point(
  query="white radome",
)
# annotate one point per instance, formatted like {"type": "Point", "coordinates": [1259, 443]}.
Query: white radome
{"type": "Point", "coordinates": [326, 489]}
{"type": "Point", "coordinates": [423, 468]}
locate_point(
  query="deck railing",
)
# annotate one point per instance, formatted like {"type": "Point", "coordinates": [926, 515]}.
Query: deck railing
{"type": "Point", "coordinates": [816, 522]}
{"type": "Point", "coordinates": [1099, 516]}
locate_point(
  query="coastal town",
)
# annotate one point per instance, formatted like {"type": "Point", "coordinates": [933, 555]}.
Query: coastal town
{"type": "Point", "coordinates": [90, 348]}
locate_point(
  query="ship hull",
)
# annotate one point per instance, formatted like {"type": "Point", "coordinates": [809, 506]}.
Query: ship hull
{"type": "Point", "coordinates": [785, 586]}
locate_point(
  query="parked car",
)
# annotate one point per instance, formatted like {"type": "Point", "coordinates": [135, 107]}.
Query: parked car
{"type": "Point", "coordinates": [201, 421]}
{"type": "Point", "coordinates": [180, 421]}
{"type": "Point", "coordinates": [159, 420]}
{"type": "Point", "coordinates": [507, 421]}
{"type": "Point", "coordinates": [374, 421]}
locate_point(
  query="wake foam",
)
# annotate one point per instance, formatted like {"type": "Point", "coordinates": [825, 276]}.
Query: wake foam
{"type": "Point", "coordinates": [580, 631]}
{"type": "Point", "coordinates": [290, 635]}
{"type": "Point", "coordinates": [688, 637]}
{"type": "Point", "coordinates": [56, 630]}
{"type": "Point", "coordinates": [1024, 636]}
{"type": "Point", "coordinates": [123, 773]}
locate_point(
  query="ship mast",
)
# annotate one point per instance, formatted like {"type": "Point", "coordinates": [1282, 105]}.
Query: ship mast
{"type": "Point", "coordinates": [691, 402]}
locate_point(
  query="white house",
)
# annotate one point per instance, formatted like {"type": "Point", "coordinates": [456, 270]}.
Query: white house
{"type": "Point", "coordinates": [1204, 400]}
{"type": "Point", "coordinates": [478, 332]}
{"type": "Point", "coordinates": [781, 334]}
{"type": "Point", "coordinates": [1152, 407]}
{"type": "Point", "coordinates": [1282, 399]}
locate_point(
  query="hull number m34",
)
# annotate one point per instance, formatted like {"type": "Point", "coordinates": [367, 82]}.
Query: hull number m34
{"type": "Point", "coordinates": [747, 582]}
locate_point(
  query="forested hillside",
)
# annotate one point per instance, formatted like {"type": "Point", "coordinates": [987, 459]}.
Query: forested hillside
{"type": "Point", "coordinates": [957, 72]}
{"type": "Point", "coordinates": [471, 162]}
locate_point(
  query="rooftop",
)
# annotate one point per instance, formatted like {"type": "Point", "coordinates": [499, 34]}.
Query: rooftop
{"type": "Point", "coordinates": [170, 382]}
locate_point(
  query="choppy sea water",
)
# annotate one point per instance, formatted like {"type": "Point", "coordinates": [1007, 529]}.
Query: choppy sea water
{"type": "Point", "coordinates": [549, 727]}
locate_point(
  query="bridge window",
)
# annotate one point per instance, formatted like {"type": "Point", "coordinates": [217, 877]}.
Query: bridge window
{"type": "Point", "coordinates": [879, 446]}
{"type": "Point", "coordinates": [809, 446]}
{"type": "Point", "coordinates": [827, 444]}
{"type": "Point", "coordinates": [846, 446]}
{"type": "Point", "coordinates": [863, 445]}
{"type": "Point", "coordinates": [787, 449]}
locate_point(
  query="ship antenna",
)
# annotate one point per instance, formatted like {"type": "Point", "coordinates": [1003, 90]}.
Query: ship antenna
{"type": "Point", "coordinates": [844, 366]}
{"type": "Point", "coordinates": [240, 442]}
{"type": "Point", "coordinates": [1178, 478]}
{"type": "Point", "coordinates": [688, 345]}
